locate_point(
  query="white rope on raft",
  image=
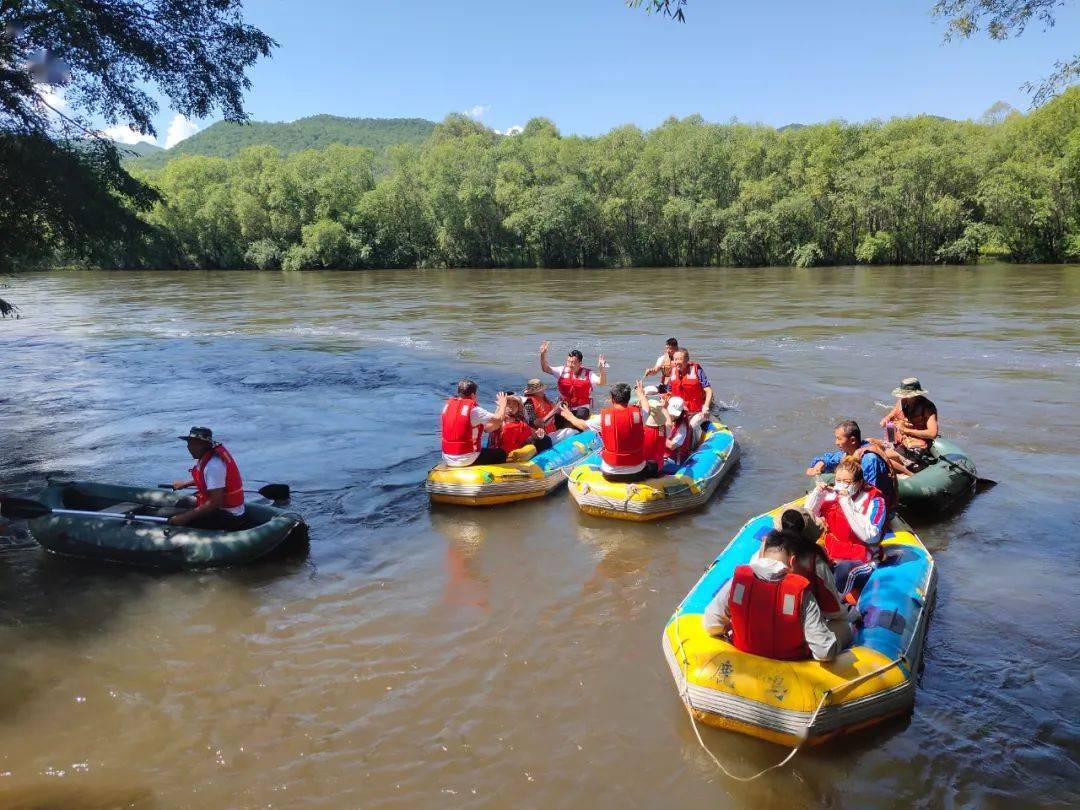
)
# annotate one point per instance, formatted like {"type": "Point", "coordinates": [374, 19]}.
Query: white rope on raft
{"type": "Point", "coordinates": [684, 694]}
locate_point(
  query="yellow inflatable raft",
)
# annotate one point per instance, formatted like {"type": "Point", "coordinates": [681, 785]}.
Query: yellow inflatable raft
{"type": "Point", "coordinates": [789, 702]}
{"type": "Point", "coordinates": [681, 488]}
{"type": "Point", "coordinates": [491, 484]}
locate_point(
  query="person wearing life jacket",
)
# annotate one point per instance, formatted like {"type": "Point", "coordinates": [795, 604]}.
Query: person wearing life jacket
{"type": "Point", "coordinates": [664, 361]}
{"type": "Point", "coordinates": [622, 431]}
{"type": "Point", "coordinates": [515, 431]}
{"type": "Point", "coordinates": [575, 382]}
{"type": "Point", "coordinates": [680, 441]}
{"type": "Point", "coordinates": [652, 400]}
{"type": "Point", "coordinates": [914, 426]}
{"type": "Point", "coordinates": [876, 470]}
{"type": "Point", "coordinates": [769, 610]}
{"type": "Point", "coordinates": [539, 410]}
{"type": "Point", "coordinates": [463, 424]}
{"type": "Point", "coordinates": [810, 560]}
{"type": "Point", "coordinates": [689, 381]}
{"type": "Point", "coordinates": [854, 516]}
{"type": "Point", "coordinates": [219, 488]}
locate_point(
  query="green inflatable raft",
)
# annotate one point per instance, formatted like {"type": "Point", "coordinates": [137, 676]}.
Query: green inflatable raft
{"type": "Point", "coordinates": [939, 486]}
{"type": "Point", "coordinates": [155, 545]}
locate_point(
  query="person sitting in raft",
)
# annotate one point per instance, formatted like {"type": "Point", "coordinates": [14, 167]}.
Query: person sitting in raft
{"type": "Point", "coordinates": [539, 410]}
{"type": "Point", "coordinates": [770, 610]}
{"type": "Point", "coordinates": [809, 559]}
{"type": "Point", "coordinates": [854, 516]}
{"type": "Point", "coordinates": [622, 431]}
{"type": "Point", "coordinates": [575, 382]}
{"type": "Point", "coordinates": [652, 401]}
{"type": "Point", "coordinates": [688, 380]}
{"type": "Point", "coordinates": [680, 436]}
{"type": "Point", "coordinates": [515, 431]}
{"type": "Point", "coordinates": [849, 442]}
{"type": "Point", "coordinates": [914, 426]}
{"type": "Point", "coordinates": [464, 424]}
{"type": "Point", "coordinates": [664, 361]}
{"type": "Point", "coordinates": [219, 488]}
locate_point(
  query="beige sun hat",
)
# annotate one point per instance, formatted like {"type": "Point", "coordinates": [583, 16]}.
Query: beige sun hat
{"type": "Point", "coordinates": [909, 387]}
{"type": "Point", "coordinates": [534, 386]}
{"type": "Point", "coordinates": [813, 528]}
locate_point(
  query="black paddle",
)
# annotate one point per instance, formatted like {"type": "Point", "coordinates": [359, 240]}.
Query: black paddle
{"type": "Point", "coordinates": [272, 492]}
{"type": "Point", "coordinates": [981, 484]}
{"type": "Point", "coordinates": [26, 509]}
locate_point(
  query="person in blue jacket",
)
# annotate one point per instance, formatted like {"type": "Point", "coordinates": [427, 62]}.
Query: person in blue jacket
{"type": "Point", "coordinates": [849, 442]}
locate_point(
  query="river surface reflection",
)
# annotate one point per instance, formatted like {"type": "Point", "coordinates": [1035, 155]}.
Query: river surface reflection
{"type": "Point", "coordinates": [511, 657]}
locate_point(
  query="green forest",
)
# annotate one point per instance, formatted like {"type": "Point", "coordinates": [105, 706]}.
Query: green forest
{"type": "Point", "coordinates": [688, 193]}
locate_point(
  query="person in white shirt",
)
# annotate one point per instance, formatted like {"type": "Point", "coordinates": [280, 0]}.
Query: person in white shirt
{"type": "Point", "coordinates": [664, 361]}
{"type": "Point", "coordinates": [574, 381]}
{"type": "Point", "coordinates": [219, 497]}
{"type": "Point", "coordinates": [464, 435]}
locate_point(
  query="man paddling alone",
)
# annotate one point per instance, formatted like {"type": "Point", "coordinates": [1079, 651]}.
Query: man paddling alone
{"type": "Point", "coordinates": [219, 489]}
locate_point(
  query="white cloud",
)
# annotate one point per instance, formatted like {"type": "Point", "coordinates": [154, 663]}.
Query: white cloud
{"type": "Point", "coordinates": [126, 135]}
{"type": "Point", "coordinates": [180, 127]}
{"type": "Point", "coordinates": [477, 110]}
{"type": "Point", "coordinates": [516, 129]}
{"type": "Point", "coordinates": [52, 95]}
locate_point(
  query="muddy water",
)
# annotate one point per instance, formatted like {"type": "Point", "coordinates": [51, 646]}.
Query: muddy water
{"type": "Point", "coordinates": [420, 657]}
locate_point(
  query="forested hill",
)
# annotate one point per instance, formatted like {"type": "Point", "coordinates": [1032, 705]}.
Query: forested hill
{"type": "Point", "coordinates": [226, 140]}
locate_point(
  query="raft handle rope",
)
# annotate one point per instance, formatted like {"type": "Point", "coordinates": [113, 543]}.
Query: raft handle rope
{"type": "Point", "coordinates": [684, 695]}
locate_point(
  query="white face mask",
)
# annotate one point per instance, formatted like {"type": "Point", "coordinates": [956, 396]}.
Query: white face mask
{"type": "Point", "coordinates": [844, 488]}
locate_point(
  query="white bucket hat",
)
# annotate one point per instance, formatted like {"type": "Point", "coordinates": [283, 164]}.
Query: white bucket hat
{"type": "Point", "coordinates": [676, 406]}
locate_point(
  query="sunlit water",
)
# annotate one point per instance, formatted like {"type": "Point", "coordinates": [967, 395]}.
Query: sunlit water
{"type": "Point", "coordinates": [511, 657]}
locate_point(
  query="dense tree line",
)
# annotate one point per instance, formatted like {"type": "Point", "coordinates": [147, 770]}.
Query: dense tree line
{"type": "Point", "coordinates": [912, 190]}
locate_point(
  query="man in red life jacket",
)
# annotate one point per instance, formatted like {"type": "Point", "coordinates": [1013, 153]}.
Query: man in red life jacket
{"type": "Point", "coordinates": [664, 361]}
{"type": "Point", "coordinates": [680, 435]}
{"type": "Point", "coordinates": [689, 381]}
{"type": "Point", "coordinates": [219, 489]}
{"type": "Point", "coordinates": [854, 515]}
{"type": "Point", "coordinates": [622, 431]}
{"type": "Point", "coordinates": [463, 424]}
{"type": "Point", "coordinates": [575, 382]}
{"type": "Point", "coordinates": [771, 611]}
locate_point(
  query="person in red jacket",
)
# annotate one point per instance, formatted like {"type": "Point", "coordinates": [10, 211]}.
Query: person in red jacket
{"type": "Point", "coordinates": [689, 381]}
{"type": "Point", "coordinates": [575, 382]}
{"type": "Point", "coordinates": [463, 424]}
{"type": "Point", "coordinates": [219, 488]}
{"type": "Point", "coordinates": [769, 610]}
{"type": "Point", "coordinates": [516, 431]}
{"type": "Point", "coordinates": [622, 431]}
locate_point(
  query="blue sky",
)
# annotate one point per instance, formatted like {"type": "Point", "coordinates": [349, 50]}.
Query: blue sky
{"type": "Point", "coordinates": [590, 65]}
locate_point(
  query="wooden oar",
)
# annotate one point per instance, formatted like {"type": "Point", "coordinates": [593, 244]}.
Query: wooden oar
{"type": "Point", "coordinates": [26, 509]}
{"type": "Point", "coordinates": [272, 492]}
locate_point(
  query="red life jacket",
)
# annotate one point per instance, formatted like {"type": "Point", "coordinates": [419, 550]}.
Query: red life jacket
{"type": "Point", "coordinates": [623, 433]}
{"type": "Point", "coordinates": [826, 599]}
{"type": "Point", "coordinates": [459, 435]}
{"type": "Point", "coordinates": [511, 436]}
{"type": "Point", "coordinates": [840, 541]}
{"type": "Point", "coordinates": [688, 386]}
{"type": "Point", "coordinates": [576, 391]}
{"type": "Point", "coordinates": [766, 615]}
{"type": "Point", "coordinates": [542, 406]}
{"type": "Point", "coordinates": [655, 445]}
{"type": "Point", "coordinates": [682, 452]}
{"type": "Point", "coordinates": [234, 484]}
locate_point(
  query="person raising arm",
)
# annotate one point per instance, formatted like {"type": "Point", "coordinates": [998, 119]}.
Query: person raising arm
{"type": "Point", "coordinates": [575, 382]}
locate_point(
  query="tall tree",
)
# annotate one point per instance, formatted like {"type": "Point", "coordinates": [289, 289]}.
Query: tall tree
{"type": "Point", "coordinates": [100, 56]}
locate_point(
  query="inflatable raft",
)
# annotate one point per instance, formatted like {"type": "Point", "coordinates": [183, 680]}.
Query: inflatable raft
{"type": "Point", "coordinates": [939, 486]}
{"type": "Point", "coordinates": [491, 484]}
{"type": "Point", "coordinates": [783, 701]}
{"type": "Point", "coordinates": [152, 544]}
{"type": "Point", "coordinates": [681, 488]}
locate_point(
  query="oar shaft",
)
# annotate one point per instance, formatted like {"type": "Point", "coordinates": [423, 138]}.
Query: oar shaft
{"type": "Point", "coordinates": [111, 515]}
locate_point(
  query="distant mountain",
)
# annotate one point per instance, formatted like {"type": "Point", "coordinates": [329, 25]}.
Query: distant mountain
{"type": "Point", "coordinates": [225, 139]}
{"type": "Point", "coordinates": [140, 149]}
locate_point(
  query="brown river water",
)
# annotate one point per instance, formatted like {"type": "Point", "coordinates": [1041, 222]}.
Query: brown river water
{"type": "Point", "coordinates": [510, 657]}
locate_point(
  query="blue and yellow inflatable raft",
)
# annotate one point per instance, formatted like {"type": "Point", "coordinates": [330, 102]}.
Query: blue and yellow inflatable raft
{"type": "Point", "coordinates": [491, 484]}
{"type": "Point", "coordinates": [790, 702]}
{"type": "Point", "coordinates": [681, 488]}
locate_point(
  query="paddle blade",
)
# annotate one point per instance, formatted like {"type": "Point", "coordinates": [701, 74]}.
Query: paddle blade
{"type": "Point", "coordinates": [22, 508]}
{"type": "Point", "coordinates": [983, 484]}
{"type": "Point", "coordinates": [275, 492]}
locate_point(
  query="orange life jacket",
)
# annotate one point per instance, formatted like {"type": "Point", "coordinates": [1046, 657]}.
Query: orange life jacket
{"type": "Point", "coordinates": [766, 615]}
{"type": "Point", "coordinates": [688, 386]}
{"type": "Point", "coordinates": [840, 541]}
{"type": "Point", "coordinates": [623, 433]}
{"type": "Point", "coordinates": [234, 484]}
{"type": "Point", "coordinates": [542, 406]}
{"type": "Point", "coordinates": [459, 436]}
{"type": "Point", "coordinates": [576, 390]}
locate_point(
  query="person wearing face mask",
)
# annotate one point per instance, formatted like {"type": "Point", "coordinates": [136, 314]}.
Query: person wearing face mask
{"type": "Point", "coordinates": [767, 609]}
{"type": "Point", "coordinates": [849, 442]}
{"type": "Point", "coordinates": [854, 516]}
